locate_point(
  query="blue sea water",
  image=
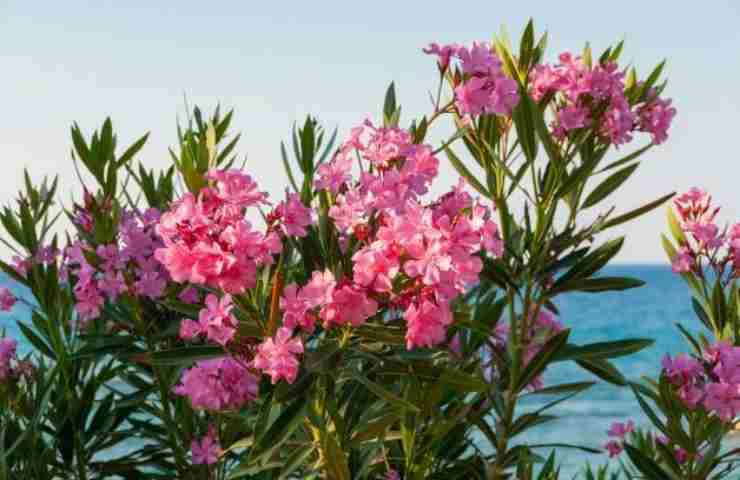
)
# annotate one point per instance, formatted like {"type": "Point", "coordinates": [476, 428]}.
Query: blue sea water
{"type": "Point", "coordinates": [647, 312]}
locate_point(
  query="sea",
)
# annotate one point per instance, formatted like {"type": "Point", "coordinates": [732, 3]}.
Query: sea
{"type": "Point", "coordinates": [651, 311]}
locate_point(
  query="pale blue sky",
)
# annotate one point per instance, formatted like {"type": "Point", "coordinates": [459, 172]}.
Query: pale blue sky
{"type": "Point", "coordinates": [276, 61]}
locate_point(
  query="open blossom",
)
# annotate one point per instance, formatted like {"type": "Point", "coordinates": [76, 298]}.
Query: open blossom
{"type": "Point", "coordinates": [656, 117]}
{"type": "Point", "coordinates": [334, 174]}
{"type": "Point", "coordinates": [189, 295]}
{"type": "Point", "coordinates": [681, 369]}
{"type": "Point", "coordinates": [620, 430]}
{"type": "Point", "coordinates": [443, 53]}
{"type": "Point", "coordinates": [723, 399]}
{"type": "Point", "coordinates": [236, 188]}
{"type": "Point", "coordinates": [218, 384]}
{"type": "Point", "coordinates": [207, 449]}
{"type": "Point", "coordinates": [7, 299]}
{"type": "Point", "coordinates": [684, 261]}
{"type": "Point", "coordinates": [427, 324]}
{"type": "Point", "coordinates": [215, 321]}
{"type": "Point", "coordinates": [293, 216]}
{"type": "Point", "coordinates": [349, 304]}
{"type": "Point", "coordinates": [278, 356]}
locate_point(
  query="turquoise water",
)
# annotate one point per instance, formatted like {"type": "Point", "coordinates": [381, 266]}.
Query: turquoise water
{"type": "Point", "coordinates": [650, 311]}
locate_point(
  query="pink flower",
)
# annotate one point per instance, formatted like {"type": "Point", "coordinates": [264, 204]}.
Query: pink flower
{"type": "Point", "coordinates": [150, 284]}
{"type": "Point", "coordinates": [295, 216]}
{"type": "Point", "coordinates": [218, 384]}
{"type": "Point", "coordinates": [21, 266]}
{"type": "Point", "coordinates": [189, 295]}
{"type": "Point", "coordinates": [472, 96]}
{"type": "Point", "coordinates": [295, 309]}
{"type": "Point", "coordinates": [573, 117]}
{"type": "Point", "coordinates": [681, 455]}
{"type": "Point", "coordinates": [491, 239]}
{"type": "Point", "coordinates": [620, 430]}
{"type": "Point", "coordinates": [349, 210]}
{"type": "Point", "coordinates": [374, 269]}
{"type": "Point", "coordinates": [215, 321]}
{"type": "Point", "coordinates": [478, 59]}
{"type": "Point", "coordinates": [433, 260]}
{"type": "Point", "coordinates": [334, 174]}
{"type": "Point", "coordinates": [277, 357]}
{"type": "Point", "coordinates": [443, 53]}
{"type": "Point", "coordinates": [7, 353]}
{"type": "Point", "coordinates": [655, 118]}
{"type": "Point", "coordinates": [319, 290]}
{"type": "Point", "coordinates": [206, 450]}
{"type": "Point", "coordinates": [349, 305]}
{"type": "Point", "coordinates": [237, 188]}
{"type": "Point", "coordinates": [427, 324]}
{"type": "Point", "coordinates": [392, 475]}
{"type": "Point", "coordinates": [723, 399]}
{"type": "Point", "coordinates": [614, 447]}
{"type": "Point", "coordinates": [7, 299]}
{"type": "Point", "coordinates": [707, 234]}
{"type": "Point", "coordinates": [684, 261]}
{"type": "Point", "coordinates": [682, 369]}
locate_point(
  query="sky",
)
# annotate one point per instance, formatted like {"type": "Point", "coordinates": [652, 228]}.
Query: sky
{"type": "Point", "coordinates": [276, 62]}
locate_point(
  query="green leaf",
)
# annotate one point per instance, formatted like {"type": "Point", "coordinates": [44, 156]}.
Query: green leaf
{"type": "Point", "coordinates": [389, 105]}
{"type": "Point", "coordinates": [280, 430]}
{"type": "Point", "coordinates": [547, 353]}
{"type": "Point", "coordinates": [294, 461]}
{"type": "Point", "coordinates": [185, 355]}
{"type": "Point", "coordinates": [604, 284]}
{"type": "Point", "coordinates": [645, 464]}
{"type": "Point", "coordinates": [636, 212]}
{"type": "Point", "coordinates": [675, 227]}
{"type": "Point", "coordinates": [563, 388]}
{"type": "Point", "coordinates": [608, 186]}
{"type": "Point", "coordinates": [385, 394]}
{"type": "Point", "coordinates": [588, 265]}
{"type": "Point", "coordinates": [603, 350]}
{"type": "Point", "coordinates": [604, 370]}
{"type": "Point", "coordinates": [36, 341]}
{"type": "Point", "coordinates": [465, 173]}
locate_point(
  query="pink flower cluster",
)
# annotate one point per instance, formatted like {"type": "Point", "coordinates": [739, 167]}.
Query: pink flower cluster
{"type": "Point", "coordinates": [705, 239]}
{"type": "Point", "coordinates": [324, 298]}
{"type": "Point", "coordinates": [406, 256]}
{"type": "Point", "coordinates": [712, 382]}
{"type": "Point", "coordinates": [7, 299]}
{"type": "Point", "coordinates": [207, 449]}
{"type": "Point", "coordinates": [594, 96]}
{"type": "Point", "coordinates": [125, 266]}
{"type": "Point", "coordinates": [541, 330]}
{"type": "Point", "coordinates": [618, 433]}
{"type": "Point", "coordinates": [218, 384]}
{"type": "Point", "coordinates": [485, 87]}
{"type": "Point", "coordinates": [215, 321]}
{"type": "Point", "coordinates": [207, 240]}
